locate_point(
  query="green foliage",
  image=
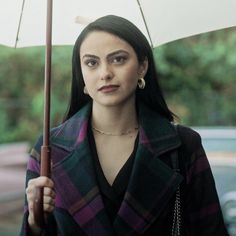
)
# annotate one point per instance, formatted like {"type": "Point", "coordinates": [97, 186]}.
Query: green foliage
{"type": "Point", "coordinates": [197, 74]}
{"type": "Point", "coordinates": [21, 91]}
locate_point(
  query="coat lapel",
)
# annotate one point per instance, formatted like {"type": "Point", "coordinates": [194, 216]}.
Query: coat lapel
{"type": "Point", "coordinates": [74, 176]}
{"type": "Point", "coordinates": [152, 182]}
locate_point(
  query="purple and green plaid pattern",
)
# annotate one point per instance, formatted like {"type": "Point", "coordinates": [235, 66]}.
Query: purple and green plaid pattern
{"type": "Point", "coordinates": [79, 206]}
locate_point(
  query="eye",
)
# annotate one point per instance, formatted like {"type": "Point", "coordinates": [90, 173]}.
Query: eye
{"type": "Point", "coordinates": [119, 59]}
{"type": "Point", "coordinates": [91, 63]}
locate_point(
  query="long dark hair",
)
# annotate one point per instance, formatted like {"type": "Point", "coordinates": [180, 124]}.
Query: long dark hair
{"type": "Point", "coordinates": [151, 95]}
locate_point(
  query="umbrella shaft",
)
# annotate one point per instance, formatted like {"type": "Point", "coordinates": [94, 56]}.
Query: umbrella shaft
{"type": "Point", "coordinates": [45, 149]}
{"type": "Point", "coordinates": [47, 83]}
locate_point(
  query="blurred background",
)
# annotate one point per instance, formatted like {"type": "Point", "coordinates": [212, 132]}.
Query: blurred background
{"type": "Point", "coordinates": [198, 75]}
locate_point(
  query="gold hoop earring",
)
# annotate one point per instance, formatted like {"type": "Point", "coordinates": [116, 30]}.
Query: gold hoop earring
{"type": "Point", "coordinates": [85, 90]}
{"type": "Point", "coordinates": [141, 83]}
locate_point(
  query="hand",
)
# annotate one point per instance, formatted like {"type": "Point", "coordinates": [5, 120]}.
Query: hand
{"type": "Point", "coordinates": [48, 198]}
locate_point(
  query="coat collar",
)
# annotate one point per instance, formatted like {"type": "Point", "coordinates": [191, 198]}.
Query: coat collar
{"type": "Point", "coordinates": [150, 175]}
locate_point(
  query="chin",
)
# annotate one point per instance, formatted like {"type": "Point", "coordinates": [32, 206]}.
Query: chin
{"type": "Point", "coordinates": [116, 100]}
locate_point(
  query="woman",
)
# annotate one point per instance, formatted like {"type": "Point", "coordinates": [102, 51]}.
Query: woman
{"type": "Point", "coordinates": [112, 158]}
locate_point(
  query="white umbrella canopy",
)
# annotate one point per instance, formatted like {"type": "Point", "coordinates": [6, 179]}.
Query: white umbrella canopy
{"type": "Point", "coordinates": [166, 20]}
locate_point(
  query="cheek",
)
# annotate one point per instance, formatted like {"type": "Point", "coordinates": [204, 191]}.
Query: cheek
{"type": "Point", "coordinates": [89, 84]}
{"type": "Point", "coordinates": [88, 78]}
{"type": "Point", "coordinates": [131, 77]}
{"type": "Point", "coordinates": [84, 73]}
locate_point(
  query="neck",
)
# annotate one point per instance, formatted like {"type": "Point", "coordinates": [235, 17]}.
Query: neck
{"type": "Point", "coordinates": [116, 120]}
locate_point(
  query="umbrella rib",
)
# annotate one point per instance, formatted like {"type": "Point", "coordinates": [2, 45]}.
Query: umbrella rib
{"type": "Point", "coordinates": [19, 24]}
{"type": "Point", "coordinates": [144, 20]}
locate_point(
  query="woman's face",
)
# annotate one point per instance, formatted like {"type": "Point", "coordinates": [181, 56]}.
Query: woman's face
{"type": "Point", "coordinates": [110, 68]}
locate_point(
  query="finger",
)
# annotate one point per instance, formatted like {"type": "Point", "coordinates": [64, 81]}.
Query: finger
{"type": "Point", "coordinates": [49, 192]}
{"type": "Point", "coordinates": [30, 193]}
{"type": "Point", "coordinates": [48, 207]}
{"type": "Point", "coordinates": [48, 200]}
{"type": "Point", "coordinates": [41, 181]}
{"type": "Point", "coordinates": [31, 207]}
{"type": "Point", "coordinates": [31, 212]}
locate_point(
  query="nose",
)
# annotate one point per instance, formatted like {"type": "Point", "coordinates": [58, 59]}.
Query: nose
{"type": "Point", "coordinates": [106, 72]}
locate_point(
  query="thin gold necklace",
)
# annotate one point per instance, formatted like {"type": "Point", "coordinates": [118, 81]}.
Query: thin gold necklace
{"type": "Point", "coordinates": [112, 134]}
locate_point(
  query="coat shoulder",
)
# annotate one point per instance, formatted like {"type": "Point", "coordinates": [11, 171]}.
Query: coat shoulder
{"type": "Point", "coordinates": [191, 140]}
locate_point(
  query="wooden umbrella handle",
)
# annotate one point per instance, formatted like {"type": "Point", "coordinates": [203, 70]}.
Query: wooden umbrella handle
{"type": "Point", "coordinates": [38, 202]}
{"type": "Point", "coordinates": [38, 208]}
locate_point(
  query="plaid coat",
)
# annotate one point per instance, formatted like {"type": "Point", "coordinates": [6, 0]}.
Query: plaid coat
{"type": "Point", "coordinates": [148, 204]}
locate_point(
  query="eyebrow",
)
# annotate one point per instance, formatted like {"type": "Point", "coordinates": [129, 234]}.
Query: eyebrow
{"type": "Point", "coordinates": [117, 52]}
{"type": "Point", "coordinates": [109, 55]}
{"type": "Point", "coordinates": [90, 56]}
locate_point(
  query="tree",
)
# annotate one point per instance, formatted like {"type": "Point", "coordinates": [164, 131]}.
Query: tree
{"type": "Point", "coordinates": [198, 76]}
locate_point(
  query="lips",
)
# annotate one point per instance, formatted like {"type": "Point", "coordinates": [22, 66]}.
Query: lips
{"type": "Point", "coordinates": [108, 88]}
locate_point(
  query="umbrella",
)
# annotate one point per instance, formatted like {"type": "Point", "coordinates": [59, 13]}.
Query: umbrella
{"type": "Point", "coordinates": [22, 23]}
{"type": "Point", "coordinates": [167, 20]}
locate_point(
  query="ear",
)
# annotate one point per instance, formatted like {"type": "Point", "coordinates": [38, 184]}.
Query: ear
{"type": "Point", "coordinates": [143, 67]}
